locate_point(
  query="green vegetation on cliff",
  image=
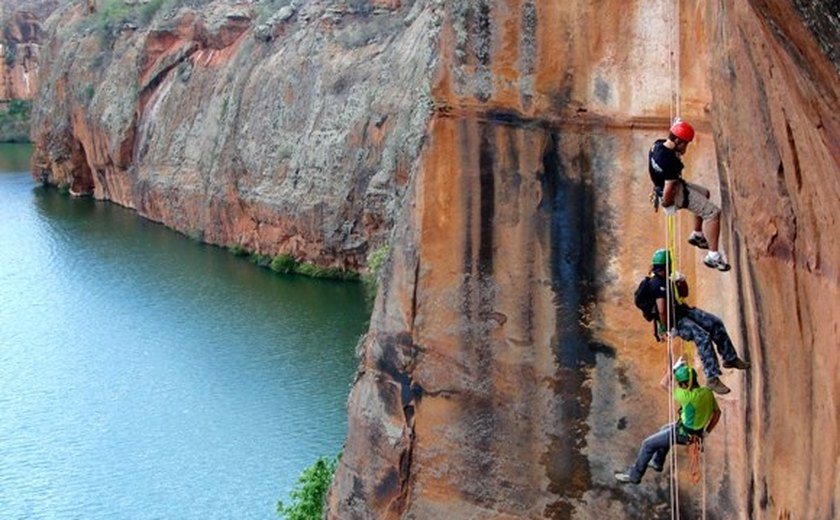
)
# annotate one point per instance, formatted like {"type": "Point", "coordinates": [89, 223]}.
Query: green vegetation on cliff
{"type": "Point", "coordinates": [307, 498]}
{"type": "Point", "coordinates": [114, 12]}
{"type": "Point", "coordinates": [14, 121]}
{"type": "Point", "coordinates": [288, 264]}
{"type": "Point", "coordinates": [375, 261]}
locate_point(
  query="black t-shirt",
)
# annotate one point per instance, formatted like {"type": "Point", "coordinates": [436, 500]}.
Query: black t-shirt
{"type": "Point", "coordinates": [658, 287]}
{"type": "Point", "coordinates": [663, 164]}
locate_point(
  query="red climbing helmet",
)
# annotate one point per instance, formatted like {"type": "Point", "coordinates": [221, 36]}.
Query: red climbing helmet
{"type": "Point", "coordinates": [683, 130]}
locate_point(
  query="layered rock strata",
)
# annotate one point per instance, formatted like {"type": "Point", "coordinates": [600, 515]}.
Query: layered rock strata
{"type": "Point", "coordinates": [281, 130]}
{"type": "Point", "coordinates": [500, 145]}
{"type": "Point", "coordinates": [20, 39]}
{"type": "Point", "coordinates": [506, 373]}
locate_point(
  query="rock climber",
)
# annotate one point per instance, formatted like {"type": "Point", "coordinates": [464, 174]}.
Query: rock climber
{"type": "Point", "coordinates": [698, 415]}
{"type": "Point", "coordinates": [665, 168]}
{"type": "Point", "coordinates": [693, 324]}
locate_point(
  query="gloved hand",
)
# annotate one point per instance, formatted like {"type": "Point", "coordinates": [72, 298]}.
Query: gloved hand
{"type": "Point", "coordinates": [677, 276]}
{"type": "Point", "coordinates": [670, 211]}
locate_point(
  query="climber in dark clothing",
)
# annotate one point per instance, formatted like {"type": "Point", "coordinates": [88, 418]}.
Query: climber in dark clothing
{"type": "Point", "coordinates": [665, 168]}
{"type": "Point", "coordinates": [698, 415]}
{"type": "Point", "coordinates": [693, 324]}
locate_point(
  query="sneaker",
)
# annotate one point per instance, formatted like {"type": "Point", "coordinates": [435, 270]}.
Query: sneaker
{"type": "Point", "coordinates": [654, 467]}
{"type": "Point", "coordinates": [625, 478]}
{"type": "Point", "coordinates": [738, 363]}
{"type": "Point", "coordinates": [716, 261]}
{"type": "Point", "coordinates": [698, 240]}
{"type": "Point", "coordinates": [715, 385]}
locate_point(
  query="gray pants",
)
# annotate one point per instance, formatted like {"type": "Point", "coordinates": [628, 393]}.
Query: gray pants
{"type": "Point", "coordinates": [655, 448]}
{"type": "Point", "coordinates": [697, 202]}
{"type": "Point", "coordinates": [704, 328]}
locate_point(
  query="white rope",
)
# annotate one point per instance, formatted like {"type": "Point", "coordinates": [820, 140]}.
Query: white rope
{"type": "Point", "coordinates": [672, 413]}
{"type": "Point", "coordinates": [678, 95]}
{"type": "Point", "coordinates": [703, 476]}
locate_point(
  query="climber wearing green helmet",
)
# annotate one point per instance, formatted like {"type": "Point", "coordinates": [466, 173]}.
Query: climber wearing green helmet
{"type": "Point", "coordinates": [698, 415]}
{"type": "Point", "coordinates": [693, 324]}
{"type": "Point", "coordinates": [665, 167]}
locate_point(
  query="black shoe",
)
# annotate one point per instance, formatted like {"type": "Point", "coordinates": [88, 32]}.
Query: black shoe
{"type": "Point", "coordinates": [654, 467]}
{"type": "Point", "coordinates": [698, 241]}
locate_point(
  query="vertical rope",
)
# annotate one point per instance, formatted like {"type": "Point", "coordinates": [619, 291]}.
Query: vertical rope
{"type": "Point", "coordinates": [672, 414]}
{"type": "Point", "coordinates": [677, 95]}
{"type": "Point", "coordinates": [703, 476]}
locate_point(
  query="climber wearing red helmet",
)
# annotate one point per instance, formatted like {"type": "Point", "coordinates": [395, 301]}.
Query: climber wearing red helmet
{"type": "Point", "coordinates": [665, 168]}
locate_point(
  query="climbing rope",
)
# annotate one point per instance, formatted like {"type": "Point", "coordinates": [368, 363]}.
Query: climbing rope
{"type": "Point", "coordinates": [703, 476]}
{"type": "Point", "coordinates": [672, 413]}
{"type": "Point", "coordinates": [669, 242]}
{"type": "Point", "coordinates": [674, 62]}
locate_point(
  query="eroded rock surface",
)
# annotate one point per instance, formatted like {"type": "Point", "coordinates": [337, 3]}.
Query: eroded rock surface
{"type": "Point", "coordinates": [20, 39]}
{"type": "Point", "coordinates": [500, 146]}
{"type": "Point", "coordinates": [278, 128]}
{"type": "Point", "coordinates": [506, 373]}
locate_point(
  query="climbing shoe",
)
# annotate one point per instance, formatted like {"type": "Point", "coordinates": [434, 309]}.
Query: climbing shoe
{"type": "Point", "coordinates": [625, 478]}
{"type": "Point", "coordinates": [715, 385]}
{"type": "Point", "coordinates": [716, 261]}
{"type": "Point", "coordinates": [738, 363]}
{"type": "Point", "coordinates": [652, 465]}
{"type": "Point", "coordinates": [698, 241]}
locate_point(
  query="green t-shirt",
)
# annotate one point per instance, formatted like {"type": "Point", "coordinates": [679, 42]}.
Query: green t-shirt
{"type": "Point", "coordinates": [697, 404]}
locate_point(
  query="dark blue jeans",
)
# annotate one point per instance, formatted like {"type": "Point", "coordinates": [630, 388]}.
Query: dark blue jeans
{"type": "Point", "coordinates": [655, 448]}
{"type": "Point", "coordinates": [704, 328]}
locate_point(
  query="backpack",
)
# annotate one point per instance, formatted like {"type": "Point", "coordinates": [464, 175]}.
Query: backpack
{"type": "Point", "coordinates": [645, 299]}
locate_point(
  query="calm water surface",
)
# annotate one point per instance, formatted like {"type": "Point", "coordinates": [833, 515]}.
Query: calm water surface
{"type": "Point", "coordinates": [145, 376]}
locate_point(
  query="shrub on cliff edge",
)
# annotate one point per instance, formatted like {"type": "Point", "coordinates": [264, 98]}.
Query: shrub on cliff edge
{"type": "Point", "coordinates": [375, 261]}
{"type": "Point", "coordinates": [284, 264]}
{"type": "Point", "coordinates": [310, 492]}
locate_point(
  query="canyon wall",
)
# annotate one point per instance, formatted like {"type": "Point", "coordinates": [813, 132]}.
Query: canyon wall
{"type": "Point", "coordinates": [19, 64]}
{"type": "Point", "coordinates": [500, 146]}
{"type": "Point", "coordinates": [506, 373]}
{"type": "Point", "coordinates": [275, 127]}
{"type": "Point", "coordinates": [20, 40]}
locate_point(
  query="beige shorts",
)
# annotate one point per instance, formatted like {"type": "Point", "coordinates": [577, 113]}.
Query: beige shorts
{"type": "Point", "coordinates": [698, 203]}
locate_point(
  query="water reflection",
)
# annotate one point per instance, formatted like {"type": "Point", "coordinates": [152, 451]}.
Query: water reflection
{"type": "Point", "coordinates": [148, 376]}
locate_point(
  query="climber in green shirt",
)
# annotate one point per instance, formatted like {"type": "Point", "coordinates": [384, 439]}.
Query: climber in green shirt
{"type": "Point", "coordinates": [699, 413]}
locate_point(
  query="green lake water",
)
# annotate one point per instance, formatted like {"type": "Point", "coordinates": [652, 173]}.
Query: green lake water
{"type": "Point", "coordinates": [146, 376]}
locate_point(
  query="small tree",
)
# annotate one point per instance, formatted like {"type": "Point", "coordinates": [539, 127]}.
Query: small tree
{"type": "Point", "coordinates": [310, 492]}
{"type": "Point", "coordinates": [375, 261]}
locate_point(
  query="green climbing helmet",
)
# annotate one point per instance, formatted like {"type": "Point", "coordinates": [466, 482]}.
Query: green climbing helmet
{"type": "Point", "coordinates": [685, 374]}
{"type": "Point", "coordinates": [660, 257]}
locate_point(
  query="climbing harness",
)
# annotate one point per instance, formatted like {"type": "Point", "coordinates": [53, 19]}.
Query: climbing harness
{"type": "Point", "coordinates": [695, 447]}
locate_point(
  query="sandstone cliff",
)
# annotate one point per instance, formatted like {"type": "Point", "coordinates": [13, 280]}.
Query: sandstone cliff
{"type": "Point", "coordinates": [506, 373]}
{"type": "Point", "coordinates": [20, 37]}
{"type": "Point", "coordinates": [500, 145]}
{"type": "Point", "coordinates": [274, 127]}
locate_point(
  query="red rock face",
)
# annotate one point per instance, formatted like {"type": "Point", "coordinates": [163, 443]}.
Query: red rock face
{"type": "Point", "coordinates": [20, 38]}
{"type": "Point", "coordinates": [502, 146]}
{"type": "Point", "coordinates": [777, 130]}
{"type": "Point", "coordinates": [280, 132]}
{"type": "Point", "coordinates": [19, 64]}
{"type": "Point", "coordinates": [507, 373]}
